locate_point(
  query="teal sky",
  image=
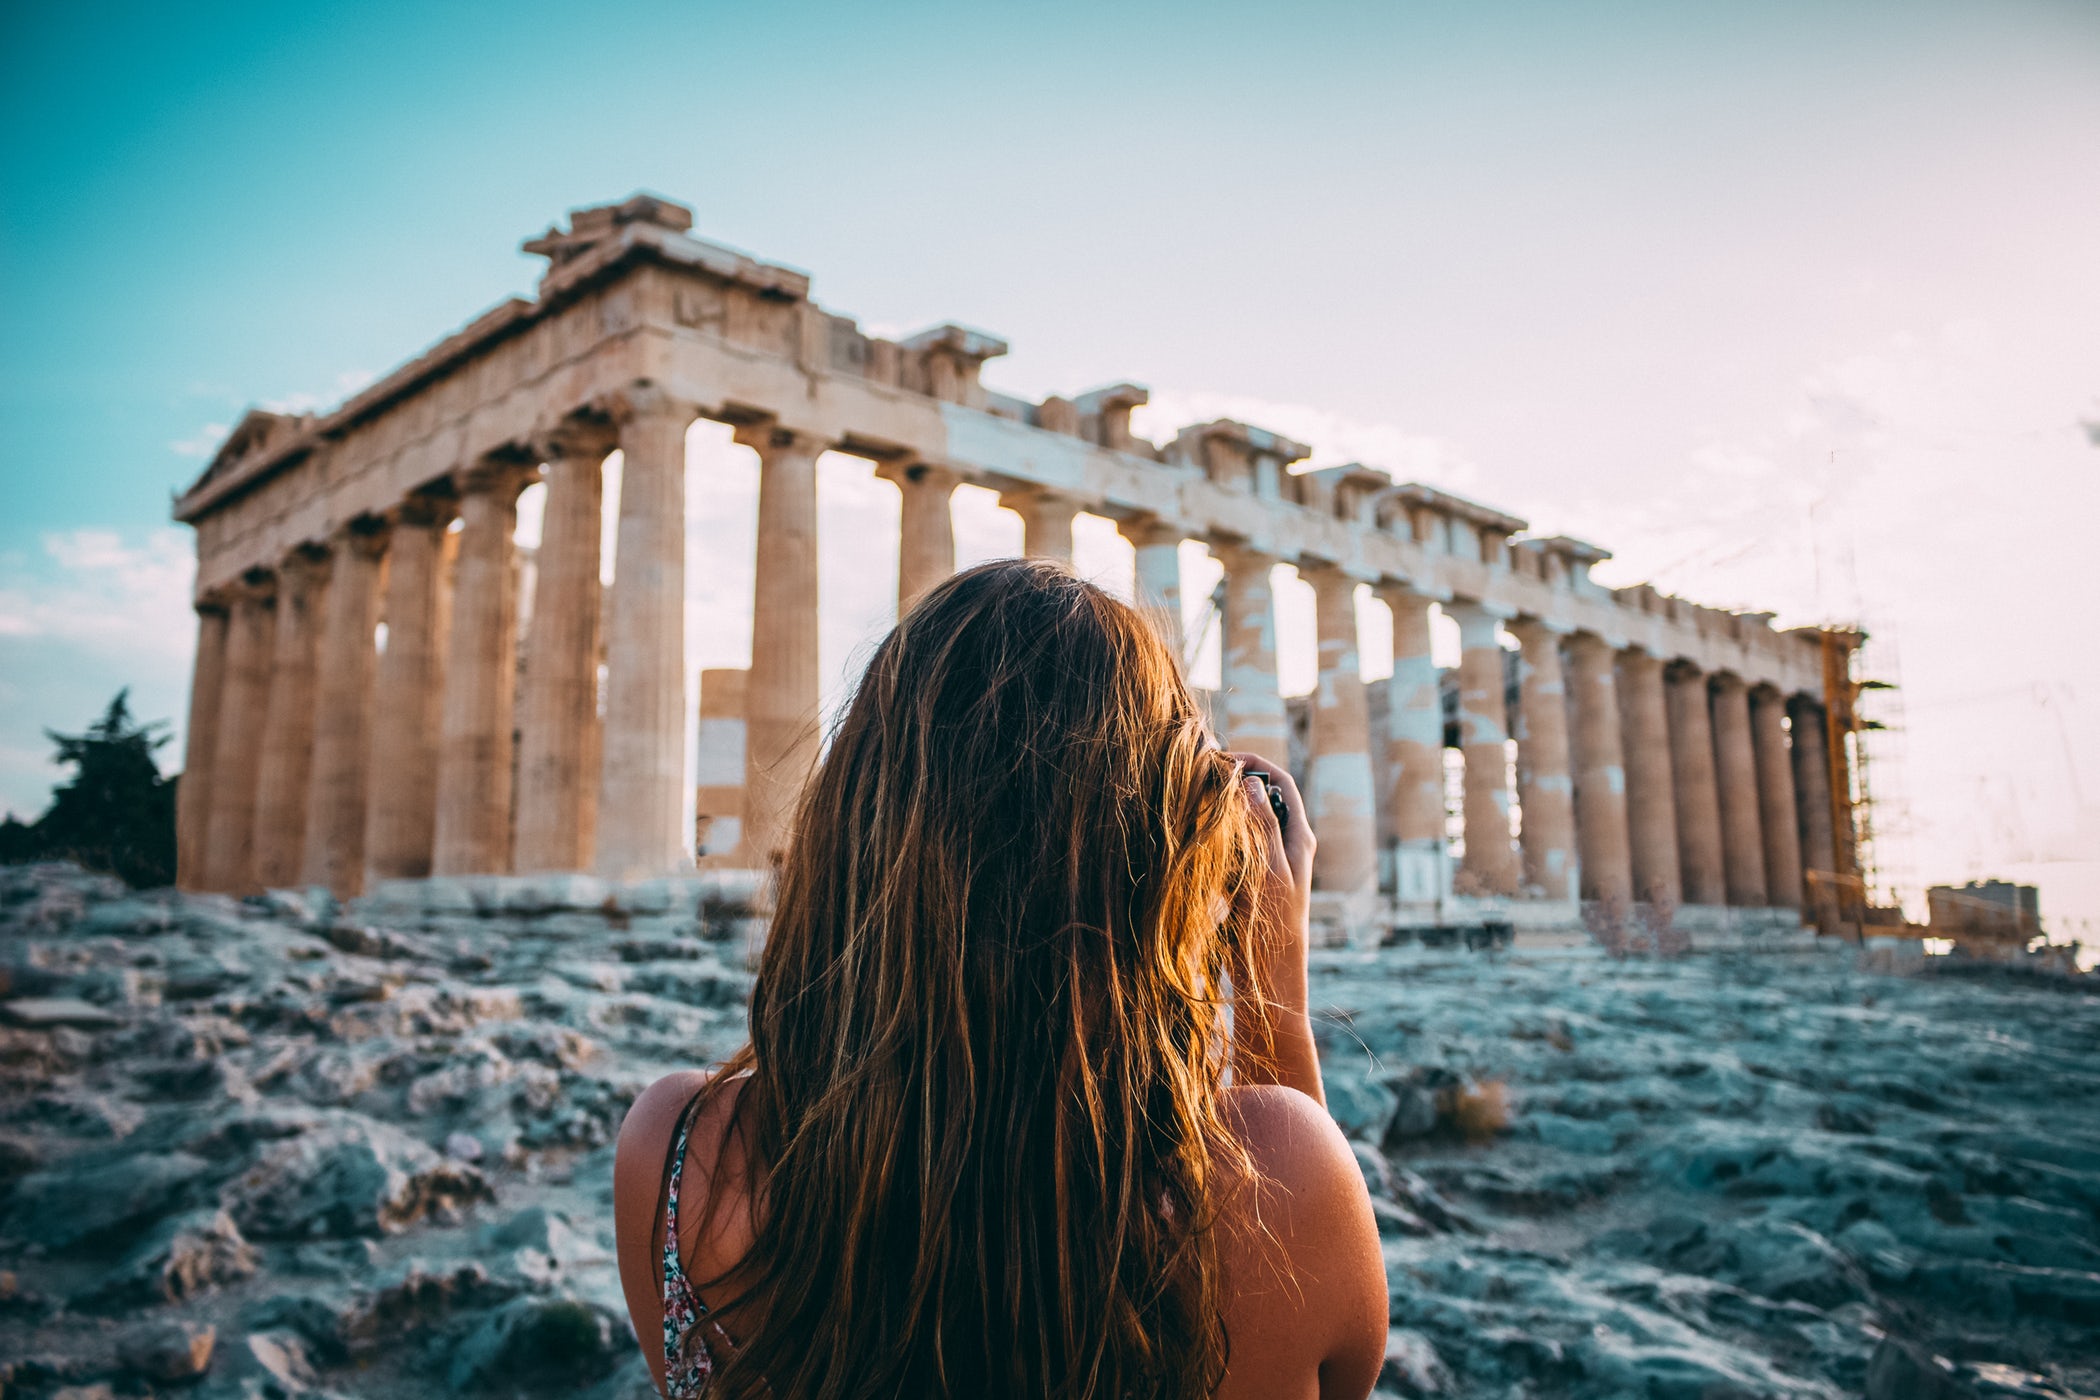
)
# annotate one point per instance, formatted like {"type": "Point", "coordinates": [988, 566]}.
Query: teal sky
{"type": "Point", "coordinates": [1791, 304]}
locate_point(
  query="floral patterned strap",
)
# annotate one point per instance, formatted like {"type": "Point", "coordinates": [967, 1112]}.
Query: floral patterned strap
{"type": "Point", "coordinates": [685, 1375]}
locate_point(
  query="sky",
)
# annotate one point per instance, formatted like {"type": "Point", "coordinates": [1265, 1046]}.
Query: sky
{"type": "Point", "coordinates": [1793, 306]}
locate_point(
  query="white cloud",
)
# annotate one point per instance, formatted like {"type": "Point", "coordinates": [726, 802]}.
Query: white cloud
{"type": "Point", "coordinates": [305, 401]}
{"type": "Point", "coordinates": [96, 611]}
{"type": "Point", "coordinates": [204, 444]}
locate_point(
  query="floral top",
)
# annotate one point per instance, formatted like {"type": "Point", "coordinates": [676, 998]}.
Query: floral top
{"type": "Point", "coordinates": [691, 1336]}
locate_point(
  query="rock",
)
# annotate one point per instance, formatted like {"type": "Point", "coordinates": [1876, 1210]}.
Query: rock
{"type": "Point", "coordinates": [552, 1341]}
{"type": "Point", "coordinates": [1412, 1366]}
{"type": "Point", "coordinates": [180, 1258]}
{"type": "Point", "coordinates": [1901, 1371]}
{"type": "Point", "coordinates": [1359, 1106]}
{"type": "Point", "coordinates": [167, 1351]}
{"type": "Point", "coordinates": [353, 1176]}
{"type": "Point", "coordinates": [272, 1365]}
{"type": "Point", "coordinates": [47, 1013]}
{"type": "Point", "coordinates": [63, 1205]}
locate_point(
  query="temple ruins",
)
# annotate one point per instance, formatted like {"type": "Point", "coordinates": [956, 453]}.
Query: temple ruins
{"type": "Point", "coordinates": [359, 712]}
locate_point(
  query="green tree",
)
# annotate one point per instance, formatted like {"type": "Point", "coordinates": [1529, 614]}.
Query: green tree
{"type": "Point", "coordinates": [118, 812]}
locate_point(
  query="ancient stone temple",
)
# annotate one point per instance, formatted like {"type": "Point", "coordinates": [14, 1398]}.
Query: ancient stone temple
{"type": "Point", "coordinates": [359, 713]}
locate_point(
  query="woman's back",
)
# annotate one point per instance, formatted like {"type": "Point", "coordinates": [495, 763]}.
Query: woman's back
{"type": "Point", "coordinates": [1305, 1283]}
{"type": "Point", "coordinates": [981, 1143]}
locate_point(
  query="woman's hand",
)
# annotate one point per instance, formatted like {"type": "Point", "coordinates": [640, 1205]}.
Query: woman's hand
{"type": "Point", "coordinates": [1273, 1043]}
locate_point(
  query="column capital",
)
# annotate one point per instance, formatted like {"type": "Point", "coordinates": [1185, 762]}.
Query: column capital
{"type": "Point", "coordinates": [1025, 495]}
{"type": "Point", "coordinates": [1766, 693]}
{"type": "Point", "coordinates": [1326, 577]}
{"type": "Point", "coordinates": [1398, 592]}
{"type": "Point", "coordinates": [1589, 644]}
{"type": "Point", "coordinates": [1682, 671]}
{"type": "Point", "coordinates": [505, 472]}
{"type": "Point", "coordinates": [1729, 682]}
{"type": "Point", "coordinates": [422, 510]}
{"type": "Point", "coordinates": [363, 535]}
{"type": "Point", "coordinates": [587, 432]}
{"type": "Point", "coordinates": [1142, 530]}
{"type": "Point", "coordinates": [643, 398]}
{"type": "Point", "coordinates": [257, 585]}
{"type": "Point", "coordinates": [1233, 552]}
{"type": "Point", "coordinates": [303, 565]}
{"type": "Point", "coordinates": [1463, 608]}
{"type": "Point", "coordinates": [770, 437]}
{"type": "Point", "coordinates": [215, 603]}
{"type": "Point", "coordinates": [908, 470]}
{"type": "Point", "coordinates": [1529, 629]}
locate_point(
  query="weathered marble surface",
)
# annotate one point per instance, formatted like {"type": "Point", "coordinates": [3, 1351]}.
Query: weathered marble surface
{"type": "Point", "coordinates": [366, 1153]}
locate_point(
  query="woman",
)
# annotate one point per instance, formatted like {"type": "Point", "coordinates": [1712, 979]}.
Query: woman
{"type": "Point", "coordinates": [991, 1135]}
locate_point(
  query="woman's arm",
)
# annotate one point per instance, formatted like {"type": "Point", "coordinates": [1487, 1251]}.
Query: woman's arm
{"type": "Point", "coordinates": [1272, 1040]}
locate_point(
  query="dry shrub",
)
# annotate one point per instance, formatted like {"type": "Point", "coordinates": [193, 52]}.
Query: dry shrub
{"type": "Point", "coordinates": [1481, 1111]}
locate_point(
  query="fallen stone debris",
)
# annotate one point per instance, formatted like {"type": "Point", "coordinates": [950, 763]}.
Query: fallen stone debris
{"type": "Point", "coordinates": [277, 1147]}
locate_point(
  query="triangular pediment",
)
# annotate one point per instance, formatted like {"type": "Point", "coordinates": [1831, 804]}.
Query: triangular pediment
{"type": "Point", "coordinates": [253, 433]}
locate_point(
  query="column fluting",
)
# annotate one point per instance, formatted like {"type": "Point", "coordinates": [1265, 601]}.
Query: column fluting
{"type": "Point", "coordinates": [1338, 762]}
{"type": "Point", "coordinates": [1602, 837]}
{"type": "Point", "coordinates": [1046, 522]}
{"type": "Point", "coordinates": [200, 741]}
{"type": "Point", "coordinates": [237, 755]}
{"type": "Point", "coordinates": [1651, 786]}
{"type": "Point", "coordinates": [642, 776]}
{"type": "Point", "coordinates": [288, 728]}
{"type": "Point", "coordinates": [558, 687]}
{"type": "Point", "coordinates": [784, 690]}
{"type": "Point", "coordinates": [1490, 864]}
{"type": "Point", "coordinates": [1414, 751]}
{"type": "Point", "coordinates": [1545, 788]}
{"type": "Point", "coordinates": [925, 529]}
{"type": "Point", "coordinates": [1735, 772]}
{"type": "Point", "coordinates": [1251, 706]}
{"type": "Point", "coordinates": [1775, 799]}
{"type": "Point", "coordinates": [408, 696]}
{"type": "Point", "coordinates": [1811, 757]}
{"type": "Point", "coordinates": [481, 672]}
{"type": "Point", "coordinates": [335, 809]}
{"type": "Point", "coordinates": [1157, 546]}
{"type": "Point", "coordinates": [1699, 855]}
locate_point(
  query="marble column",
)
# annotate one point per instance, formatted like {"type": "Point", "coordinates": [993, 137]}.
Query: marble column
{"type": "Point", "coordinates": [784, 689]}
{"type": "Point", "coordinates": [288, 728]}
{"type": "Point", "coordinates": [1158, 548]}
{"type": "Point", "coordinates": [1251, 706]}
{"type": "Point", "coordinates": [1699, 857]}
{"type": "Point", "coordinates": [1775, 799]}
{"type": "Point", "coordinates": [641, 798]}
{"type": "Point", "coordinates": [1602, 838]}
{"type": "Point", "coordinates": [193, 792]}
{"type": "Point", "coordinates": [1490, 863]}
{"type": "Point", "coordinates": [244, 706]}
{"type": "Point", "coordinates": [1046, 522]}
{"type": "Point", "coordinates": [335, 807]}
{"type": "Point", "coordinates": [1414, 751]}
{"type": "Point", "coordinates": [1735, 770]}
{"type": "Point", "coordinates": [481, 672]}
{"type": "Point", "coordinates": [1651, 786]}
{"type": "Point", "coordinates": [407, 699]}
{"type": "Point", "coordinates": [1545, 789]}
{"type": "Point", "coordinates": [558, 690]}
{"type": "Point", "coordinates": [1338, 759]}
{"type": "Point", "coordinates": [925, 528]}
{"type": "Point", "coordinates": [1811, 757]}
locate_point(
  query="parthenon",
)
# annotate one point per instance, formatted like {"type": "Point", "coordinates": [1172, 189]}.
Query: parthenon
{"type": "Point", "coordinates": [359, 714]}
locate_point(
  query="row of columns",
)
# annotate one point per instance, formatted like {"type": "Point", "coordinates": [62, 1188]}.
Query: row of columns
{"type": "Point", "coordinates": [316, 758]}
{"type": "Point", "coordinates": [1635, 779]}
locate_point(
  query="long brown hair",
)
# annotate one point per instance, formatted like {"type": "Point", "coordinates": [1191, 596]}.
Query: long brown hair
{"type": "Point", "coordinates": [986, 1032]}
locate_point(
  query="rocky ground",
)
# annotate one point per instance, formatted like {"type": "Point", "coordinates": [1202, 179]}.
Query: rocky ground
{"type": "Point", "coordinates": [277, 1149]}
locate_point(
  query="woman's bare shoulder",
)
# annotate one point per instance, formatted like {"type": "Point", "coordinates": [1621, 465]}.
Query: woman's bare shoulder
{"type": "Point", "coordinates": [1301, 1252]}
